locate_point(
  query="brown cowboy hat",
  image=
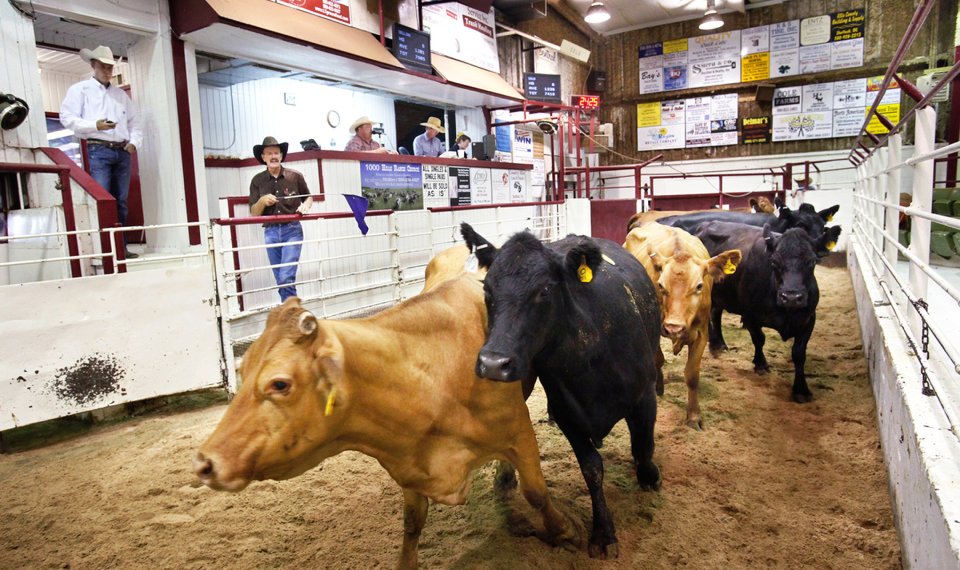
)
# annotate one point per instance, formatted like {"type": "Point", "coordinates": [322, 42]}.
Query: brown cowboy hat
{"type": "Point", "coordinates": [270, 141]}
{"type": "Point", "coordinates": [434, 123]}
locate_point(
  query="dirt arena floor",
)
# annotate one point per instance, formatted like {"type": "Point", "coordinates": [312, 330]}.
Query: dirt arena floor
{"type": "Point", "coordinates": [767, 484]}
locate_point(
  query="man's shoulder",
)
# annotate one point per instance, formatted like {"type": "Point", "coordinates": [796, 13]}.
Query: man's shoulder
{"type": "Point", "coordinates": [260, 176]}
{"type": "Point", "coordinates": [292, 173]}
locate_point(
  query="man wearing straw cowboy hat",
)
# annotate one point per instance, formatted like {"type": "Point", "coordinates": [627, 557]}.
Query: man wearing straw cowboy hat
{"type": "Point", "coordinates": [103, 114]}
{"type": "Point", "coordinates": [429, 144]}
{"type": "Point", "coordinates": [279, 191]}
{"type": "Point", "coordinates": [362, 140]}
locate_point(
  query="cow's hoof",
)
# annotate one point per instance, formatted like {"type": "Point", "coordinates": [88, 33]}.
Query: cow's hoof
{"type": "Point", "coordinates": [716, 349]}
{"type": "Point", "coordinates": [604, 551]}
{"type": "Point", "coordinates": [648, 477]}
{"type": "Point", "coordinates": [569, 537]}
{"type": "Point", "coordinates": [762, 369]}
{"type": "Point", "coordinates": [802, 398]}
{"type": "Point", "coordinates": [695, 423]}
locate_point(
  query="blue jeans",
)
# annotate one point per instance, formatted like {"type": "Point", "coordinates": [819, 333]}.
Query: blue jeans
{"type": "Point", "coordinates": [281, 234]}
{"type": "Point", "coordinates": [111, 169]}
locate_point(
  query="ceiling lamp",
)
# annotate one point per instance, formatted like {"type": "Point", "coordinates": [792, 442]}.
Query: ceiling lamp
{"type": "Point", "coordinates": [596, 14]}
{"type": "Point", "coordinates": [711, 21]}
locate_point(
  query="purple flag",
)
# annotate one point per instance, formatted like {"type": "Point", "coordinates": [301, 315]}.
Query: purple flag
{"type": "Point", "coordinates": [358, 204]}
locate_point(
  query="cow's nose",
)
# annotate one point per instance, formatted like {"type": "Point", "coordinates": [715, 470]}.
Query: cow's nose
{"type": "Point", "coordinates": [495, 367]}
{"type": "Point", "coordinates": [792, 298]}
{"type": "Point", "coordinates": [673, 329]}
{"type": "Point", "coordinates": [203, 467]}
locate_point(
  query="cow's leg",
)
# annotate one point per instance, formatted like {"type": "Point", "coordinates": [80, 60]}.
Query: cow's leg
{"type": "Point", "coordinates": [505, 478]}
{"type": "Point", "coordinates": [561, 531]}
{"type": "Point", "coordinates": [717, 344]}
{"type": "Point", "coordinates": [658, 361]}
{"type": "Point", "coordinates": [760, 365]}
{"type": "Point", "coordinates": [603, 536]}
{"type": "Point", "coordinates": [414, 517]}
{"type": "Point", "coordinates": [641, 422]}
{"type": "Point", "coordinates": [691, 374]}
{"type": "Point", "coordinates": [801, 392]}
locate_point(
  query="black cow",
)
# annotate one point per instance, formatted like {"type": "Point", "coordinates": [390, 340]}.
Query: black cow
{"type": "Point", "coordinates": [806, 218]}
{"type": "Point", "coordinates": [774, 287]}
{"type": "Point", "coordinates": [582, 315]}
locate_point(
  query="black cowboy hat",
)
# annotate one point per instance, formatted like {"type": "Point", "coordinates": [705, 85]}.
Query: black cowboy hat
{"type": "Point", "coordinates": [270, 141]}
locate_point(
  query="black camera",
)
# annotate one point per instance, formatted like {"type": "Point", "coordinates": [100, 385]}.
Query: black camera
{"type": "Point", "coordinates": [378, 130]}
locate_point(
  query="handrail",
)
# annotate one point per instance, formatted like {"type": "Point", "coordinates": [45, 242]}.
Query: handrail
{"type": "Point", "coordinates": [489, 206]}
{"type": "Point", "coordinates": [285, 218]}
{"type": "Point", "coordinates": [919, 17]}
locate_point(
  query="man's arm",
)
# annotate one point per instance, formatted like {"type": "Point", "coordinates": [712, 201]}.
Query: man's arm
{"type": "Point", "coordinates": [71, 112]}
{"type": "Point", "coordinates": [418, 149]}
{"type": "Point", "coordinates": [133, 125]}
{"type": "Point", "coordinates": [304, 207]}
{"type": "Point", "coordinates": [259, 203]}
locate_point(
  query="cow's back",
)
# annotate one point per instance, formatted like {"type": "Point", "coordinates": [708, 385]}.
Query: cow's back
{"type": "Point", "coordinates": [448, 264]}
{"type": "Point", "coordinates": [691, 222]}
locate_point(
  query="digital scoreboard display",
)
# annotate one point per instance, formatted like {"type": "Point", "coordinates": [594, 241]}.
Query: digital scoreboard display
{"type": "Point", "coordinates": [585, 102]}
{"type": "Point", "coordinates": [542, 87]}
{"type": "Point", "coordinates": [412, 48]}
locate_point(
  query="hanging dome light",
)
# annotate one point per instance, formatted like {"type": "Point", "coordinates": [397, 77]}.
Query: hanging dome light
{"type": "Point", "coordinates": [596, 14]}
{"type": "Point", "coordinates": [711, 21]}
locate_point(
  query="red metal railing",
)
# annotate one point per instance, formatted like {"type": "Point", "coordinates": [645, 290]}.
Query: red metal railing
{"type": "Point", "coordinates": [585, 171]}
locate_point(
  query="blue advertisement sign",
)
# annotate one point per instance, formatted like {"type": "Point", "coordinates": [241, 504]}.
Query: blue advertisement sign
{"type": "Point", "coordinates": [392, 185]}
{"type": "Point", "coordinates": [674, 78]}
{"type": "Point", "coordinates": [650, 50]}
{"type": "Point", "coordinates": [504, 142]}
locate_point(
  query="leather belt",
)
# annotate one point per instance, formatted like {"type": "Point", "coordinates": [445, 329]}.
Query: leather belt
{"type": "Point", "coordinates": [109, 144]}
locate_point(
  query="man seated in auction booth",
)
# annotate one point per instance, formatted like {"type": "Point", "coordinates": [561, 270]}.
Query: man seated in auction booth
{"type": "Point", "coordinates": [428, 143]}
{"type": "Point", "coordinates": [362, 140]}
{"type": "Point", "coordinates": [279, 191]}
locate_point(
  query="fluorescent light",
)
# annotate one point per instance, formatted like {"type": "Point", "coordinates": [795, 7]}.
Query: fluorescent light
{"type": "Point", "coordinates": [711, 22]}
{"type": "Point", "coordinates": [596, 14]}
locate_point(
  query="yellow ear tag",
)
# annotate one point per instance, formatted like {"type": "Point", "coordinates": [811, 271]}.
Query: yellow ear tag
{"type": "Point", "coordinates": [729, 267]}
{"type": "Point", "coordinates": [584, 273]}
{"type": "Point", "coordinates": [830, 218]}
{"type": "Point", "coordinates": [831, 245]}
{"type": "Point", "coordinates": [330, 399]}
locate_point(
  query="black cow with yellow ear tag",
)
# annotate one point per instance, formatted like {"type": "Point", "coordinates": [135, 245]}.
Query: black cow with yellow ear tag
{"type": "Point", "coordinates": [582, 315]}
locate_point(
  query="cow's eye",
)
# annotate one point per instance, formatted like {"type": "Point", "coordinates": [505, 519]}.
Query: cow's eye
{"type": "Point", "coordinates": [699, 287]}
{"type": "Point", "coordinates": [278, 387]}
{"type": "Point", "coordinates": [658, 268]}
{"type": "Point", "coordinates": [663, 290]}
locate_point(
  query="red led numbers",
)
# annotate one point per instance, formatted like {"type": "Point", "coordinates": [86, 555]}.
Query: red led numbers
{"type": "Point", "coordinates": [586, 102]}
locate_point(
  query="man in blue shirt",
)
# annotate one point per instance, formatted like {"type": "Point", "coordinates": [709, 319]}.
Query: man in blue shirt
{"type": "Point", "coordinates": [429, 144]}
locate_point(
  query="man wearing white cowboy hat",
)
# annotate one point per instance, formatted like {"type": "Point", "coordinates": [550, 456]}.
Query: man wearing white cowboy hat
{"type": "Point", "coordinates": [362, 140]}
{"type": "Point", "coordinates": [103, 114]}
{"type": "Point", "coordinates": [279, 191]}
{"type": "Point", "coordinates": [429, 144]}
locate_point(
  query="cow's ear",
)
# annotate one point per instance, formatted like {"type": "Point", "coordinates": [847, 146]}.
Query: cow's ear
{"type": "Point", "coordinates": [328, 370]}
{"type": "Point", "coordinates": [754, 205]}
{"type": "Point", "coordinates": [583, 260]}
{"type": "Point", "coordinates": [770, 238]}
{"type": "Point", "coordinates": [478, 245]}
{"type": "Point", "coordinates": [778, 203]}
{"type": "Point", "coordinates": [828, 214]}
{"type": "Point", "coordinates": [787, 214]}
{"type": "Point", "coordinates": [306, 327]}
{"type": "Point", "coordinates": [828, 241]}
{"type": "Point", "coordinates": [724, 264]}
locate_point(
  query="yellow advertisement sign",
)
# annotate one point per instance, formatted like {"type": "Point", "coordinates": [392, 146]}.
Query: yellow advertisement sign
{"type": "Point", "coordinates": [891, 112]}
{"type": "Point", "coordinates": [755, 67]}
{"type": "Point", "coordinates": [674, 46]}
{"type": "Point", "coordinates": [648, 114]}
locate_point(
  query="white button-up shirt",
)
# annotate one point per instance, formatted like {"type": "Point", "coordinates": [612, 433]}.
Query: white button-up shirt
{"type": "Point", "coordinates": [89, 101]}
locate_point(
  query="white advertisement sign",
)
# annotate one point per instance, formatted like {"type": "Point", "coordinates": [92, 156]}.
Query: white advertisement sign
{"type": "Point", "coordinates": [754, 40]}
{"type": "Point", "coordinates": [500, 180]}
{"type": "Point", "coordinates": [785, 35]}
{"type": "Point", "coordinates": [518, 187]}
{"type": "Point", "coordinates": [817, 98]}
{"type": "Point", "coordinates": [846, 54]}
{"type": "Point", "coordinates": [463, 33]}
{"type": "Point", "coordinates": [785, 63]}
{"type": "Point", "coordinates": [714, 59]}
{"type": "Point", "coordinates": [435, 181]}
{"type": "Point", "coordinates": [847, 122]}
{"type": "Point", "coordinates": [481, 186]}
{"type": "Point", "coordinates": [814, 59]}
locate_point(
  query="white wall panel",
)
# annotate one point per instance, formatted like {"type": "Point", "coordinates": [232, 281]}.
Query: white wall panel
{"type": "Point", "coordinates": [117, 338]}
{"type": "Point", "coordinates": [55, 85]}
{"type": "Point", "coordinates": [17, 46]}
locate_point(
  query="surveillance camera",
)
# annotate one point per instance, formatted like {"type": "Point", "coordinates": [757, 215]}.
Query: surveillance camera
{"type": "Point", "coordinates": [13, 111]}
{"type": "Point", "coordinates": [547, 127]}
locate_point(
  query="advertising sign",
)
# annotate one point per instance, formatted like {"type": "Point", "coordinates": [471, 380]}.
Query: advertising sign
{"type": "Point", "coordinates": [336, 10]}
{"type": "Point", "coordinates": [391, 185]}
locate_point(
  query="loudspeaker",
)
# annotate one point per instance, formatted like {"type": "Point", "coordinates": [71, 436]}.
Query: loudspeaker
{"type": "Point", "coordinates": [597, 81]}
{"type": "Point", "coordinates": [490, 146]}
{"type": "Point", "coordinates": [764, 92]}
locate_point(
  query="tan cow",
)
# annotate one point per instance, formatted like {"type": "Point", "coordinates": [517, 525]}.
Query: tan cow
{"type": "Point", "coordinates": [684, 273]}
{"type": "Point", "coordinates": [398, 386]}
{"type": "Point", "coordinates": [447, 265]}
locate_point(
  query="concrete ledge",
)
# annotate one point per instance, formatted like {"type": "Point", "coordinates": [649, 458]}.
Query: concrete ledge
{"type": "Point", "coordinates": [922, 455]}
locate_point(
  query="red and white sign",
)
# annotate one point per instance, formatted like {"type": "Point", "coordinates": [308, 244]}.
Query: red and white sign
{"type": "Point", "coordinates": [336, 10]}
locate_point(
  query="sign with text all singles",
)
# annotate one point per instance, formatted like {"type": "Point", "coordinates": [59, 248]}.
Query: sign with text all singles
{"type": "Point", "coordinates": [542, 87]}
{"type": "Point", "coordinates": [412, 48]}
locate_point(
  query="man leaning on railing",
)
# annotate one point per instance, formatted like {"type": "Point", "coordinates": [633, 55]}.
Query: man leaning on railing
{"type": "Point", "coordinates": [279, 191]}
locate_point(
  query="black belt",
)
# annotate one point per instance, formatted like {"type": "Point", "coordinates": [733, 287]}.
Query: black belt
{"type": "Point", "coordinates": [109, 144]}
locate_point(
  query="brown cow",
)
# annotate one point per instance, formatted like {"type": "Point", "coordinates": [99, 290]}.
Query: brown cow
{"type": "Point", "coordinates": [684, 273]}
{"type": "Point", "coordinates": [398, 386]}
{"type": "Point", "coordinates": [762, 205]}
{"type": "Point", "coordinates": [447, 265]}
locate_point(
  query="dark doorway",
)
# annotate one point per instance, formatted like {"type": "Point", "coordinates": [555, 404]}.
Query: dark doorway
{"type": "Point", "coordinates": [409, 117]}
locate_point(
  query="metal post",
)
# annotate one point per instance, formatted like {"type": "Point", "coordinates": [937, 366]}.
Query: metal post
{"type": "Point", "coordinates": [894, 156]}
{"type": "Point", "coordinates": [925, 142]}
{"type": "Point", "coordinates": [215, 239]}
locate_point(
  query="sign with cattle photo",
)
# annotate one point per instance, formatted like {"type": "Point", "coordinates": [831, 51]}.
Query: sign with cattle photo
{"type": "Point", "coordinates": [392, 186]}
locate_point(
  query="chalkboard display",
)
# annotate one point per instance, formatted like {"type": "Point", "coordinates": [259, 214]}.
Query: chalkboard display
{"type": "Point", "coordinates": [412, 48]}
{"type": "Point", "coordinates": [542, 87]}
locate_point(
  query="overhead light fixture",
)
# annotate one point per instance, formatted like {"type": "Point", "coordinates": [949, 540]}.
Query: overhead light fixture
{"type": "Point", "coordinates": [711, 21]}
{"type": "Point", "coordinates": [596, 14]}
